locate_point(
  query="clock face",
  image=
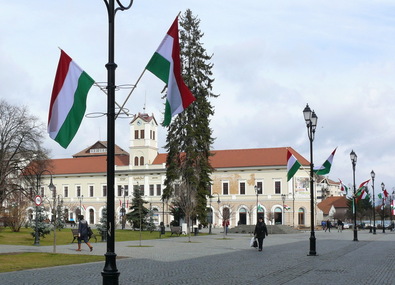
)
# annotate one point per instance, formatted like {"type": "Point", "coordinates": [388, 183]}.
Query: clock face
{"type": "Point", "coordinates": [138, 123]}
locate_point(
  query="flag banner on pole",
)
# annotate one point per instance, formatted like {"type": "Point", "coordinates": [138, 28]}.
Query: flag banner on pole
{"type": "Point", "coordinates": [380, 196]}
{"type": "Point", "coordinates": [326, 167]}
{"type": "Point", "coordinates": [68, 100]}
{"type": "Point", "coordinates": [166, 65]}
{"type": "Point", "coordinates": [343, 187]}
{"type": "Point", "coordinates": [292, 165]}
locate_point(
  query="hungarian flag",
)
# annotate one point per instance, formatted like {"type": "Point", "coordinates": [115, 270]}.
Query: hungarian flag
{"type": "Point", "coordinates": [362, 194]}
{"type": "Point", "coordinates": [292, 165]}
{"type": "Point", "coordinates": [286, 207]}
{"type": "Point", "coordinates": [326, 167]}
{"type": "Point", "coordinates": [343, 187]}
{"type": "Point", "coordinates": [380, 196]}
{"type": "Point", "coordinates": [68, 100]}
{"type": "Point", "coordinates": [363, 185]}
{"type": "Point", "coordinates": [385, 193]}
{"type": "Point", "coordinates": [166, 65]}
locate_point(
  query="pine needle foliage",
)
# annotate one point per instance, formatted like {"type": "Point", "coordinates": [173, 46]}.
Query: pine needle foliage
{"type": "Point", "coordinates": [189, 136]}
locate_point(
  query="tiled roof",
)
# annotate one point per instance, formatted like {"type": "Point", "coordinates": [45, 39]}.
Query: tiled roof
{"type": "Point", "coordinates": [337, 202]}
{"type": "Point", "coordinates": [92, 164]}
{"type": "Point", "coordinates": [222, 159]}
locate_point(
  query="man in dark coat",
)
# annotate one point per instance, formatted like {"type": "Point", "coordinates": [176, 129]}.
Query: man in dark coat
{"type": "Point", "coordinates": [260, 232]}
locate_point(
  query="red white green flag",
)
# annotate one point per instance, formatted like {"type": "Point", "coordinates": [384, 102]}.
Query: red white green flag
{"type": "Point", "coordinates": [292, 165]}
{"type": "Point", "coordinates": [326, 167]}
{"type": "Point", "coordinates": [343, 187]}
{"type": "Point", "coordinates": [68, 100]}
{"type": "Point", "coordinates": [362, 195]}
{"type": "Point", "coordinates": [166, 65]}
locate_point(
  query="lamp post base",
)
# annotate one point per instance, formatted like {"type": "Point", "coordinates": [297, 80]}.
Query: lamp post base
{"type": "Point", "coordinates": [355, 235]}
{"type": "Point", "coordinates": [312, 251]}
{"type": "Point", "coordinates": [374, 230]}
{"type": "Point", "coordinates": [110, 272]}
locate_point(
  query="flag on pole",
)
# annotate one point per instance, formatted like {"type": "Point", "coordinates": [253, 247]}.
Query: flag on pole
{"type": "Point", "coordinates": [380, 196]}
{"type": "Point", "coordinates": [385, 193]}
{"type": "Point", "coordinates": [286, 207]}
{"type": "Point", "coordinates": [166, 65]}
{"type": "Point", "coordinates": [68, 100]}
{"type": "Point", "coordinates": [343, 187]}
{"type": "Point", "coordinates": [326, 167]}
{"type": "Point", "coordinates": [292, 165]}
{"type": "Point", "coordinates": [363, 185]}
{"type": "Point", "coordinates": [362, 194]}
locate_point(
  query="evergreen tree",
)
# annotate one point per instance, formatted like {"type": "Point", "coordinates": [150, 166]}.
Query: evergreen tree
{"type": "Point", "coordinates": [102, 226]}
{"type": "Point", "coordinates": [137, 215]}
{"type": "Point", "coordinates": [189, 135]}
{"type": "Point", "coordinates": [43, 228]}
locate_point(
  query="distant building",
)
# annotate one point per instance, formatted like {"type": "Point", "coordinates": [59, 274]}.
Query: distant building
{"type": "Point", "coordinates": [248, 182]}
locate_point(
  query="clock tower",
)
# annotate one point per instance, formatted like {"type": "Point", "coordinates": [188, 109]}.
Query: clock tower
{"type": "Point", "coordinates": [143, 147]}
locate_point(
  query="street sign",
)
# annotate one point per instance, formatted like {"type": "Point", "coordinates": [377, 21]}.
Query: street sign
{"type": "Point", "coordinates": [38, 200]}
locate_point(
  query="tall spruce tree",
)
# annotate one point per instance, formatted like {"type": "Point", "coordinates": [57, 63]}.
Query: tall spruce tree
{"type": "Point", "coordinates": [189, 135]}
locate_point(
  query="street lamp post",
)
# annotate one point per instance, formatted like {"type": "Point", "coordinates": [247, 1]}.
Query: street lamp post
{"type": "Point", "coordinates": [80, 198]}
{"type": "Point", "coordinates": [373, 175]}
{"type": "Point", "coordinates": [51, 188]}
{"type": "Point", "coordinates": [123, 208]}
{"type": "Point", "coordinates": [311, 124]}
{"type": "Point", "coordinates": [257, 190]}
{"type": "Point", "coordinates": [353, 157]}
{"type": "Point", "coordinates": [211, 216]}
{"type": "Point", "coordinates": [383, 188]}
{"type": "Point", "coordinates": [391, 208]}
{"type": "Point", "coordinates": [283, 198]}
{"type": "Point", "coordinates": [110, 272]}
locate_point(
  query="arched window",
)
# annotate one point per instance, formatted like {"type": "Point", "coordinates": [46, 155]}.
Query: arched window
{"type": "Point", "coordinates": [242, 217]}
{"type": "Point", "coordinates": [136, 161]}
{"type": "Point", "coordinates": [301, 216]}
{"type": "Point", "coordinates": [142, 160]}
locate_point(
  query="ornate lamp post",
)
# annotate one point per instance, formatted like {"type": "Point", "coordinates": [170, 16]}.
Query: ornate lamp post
{"type": "Point", "coordinates": [210, 220]}
{"type": "Point", "coordinates": [383, 188]}
{"type": "Point", "coordinates": [257, 190]}
{"type": "Point", "coordinates": [391, 208]}
{"type": "Point", "coordinates": [353, 157]}
{"type": "Point", "coordinates": [51, 188]}
{"type": "Point", "coordinates": [373, 175]}
{"type": "Point", "coordinates": [311, 123]}
{"type": "Point", "coordinates": [80, 198]}
{"type": "Point", "coordinates": [283, 198]}
{"type": "Point", "coordinates": [110, 272]}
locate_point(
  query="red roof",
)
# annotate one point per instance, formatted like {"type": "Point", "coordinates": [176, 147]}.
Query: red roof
{"type": "Point", "coordinates": [259, 157]}
{"type": "Point", "coordinates": [335, 201]}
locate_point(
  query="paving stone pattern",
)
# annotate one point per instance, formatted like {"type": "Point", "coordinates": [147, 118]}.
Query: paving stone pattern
{"type": "Point", "coordinates": [214, 260]}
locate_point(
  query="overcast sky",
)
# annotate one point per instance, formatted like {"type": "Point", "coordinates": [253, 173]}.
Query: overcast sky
{"type": "Point", "coordinates": [270, 59]}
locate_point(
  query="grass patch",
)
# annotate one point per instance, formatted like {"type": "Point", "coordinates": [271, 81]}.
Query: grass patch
{"type": "Point", "coordinates": [30, 260]}
{"type": "Point", "coordinates": [64, 236]}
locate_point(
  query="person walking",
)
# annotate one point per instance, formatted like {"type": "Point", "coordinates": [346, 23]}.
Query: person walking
{"type": "Point", "coordinates": [83, 233]}
{"type": "Point", "coordinates": [260, 232]}
{"type": "Point", "coordinates": [339, 226]}
{"type": "Point", "coordinates": [328, 226]}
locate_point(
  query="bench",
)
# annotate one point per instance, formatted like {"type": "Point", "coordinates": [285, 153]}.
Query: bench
{"type": "Point", "coordinates": [175, 230]}
{"type": "Point", "coordinates": [71, 223]}
{"type": "Point", "coordinates": [75, 235]}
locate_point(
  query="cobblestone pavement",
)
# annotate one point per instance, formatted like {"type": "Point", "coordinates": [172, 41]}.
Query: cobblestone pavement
{"type": "Point", "coordinates": [214, 260]}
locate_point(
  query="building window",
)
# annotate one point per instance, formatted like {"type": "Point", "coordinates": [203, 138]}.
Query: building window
{"type": "Point", "coordinates": [136, 134]}
{"type": "Point", "coordinates": [158, 190]}
{"type": "Point", "coordinates": [151, 190]}
{"type": "Point", "coordinates": [259, 185]}
{"type": "Point", "coordinates": [242, 187]}
{"type": "Point", "coordinates": [104, 190]}
{"type": "Point", "coordinates": [142, 160]}
{"type": "Point", "coordinates": [142, 191]}
{"type": "Point", "coordinates": [141, 134]}
{"type": "Point", "coordinates": [119, 190]}
{"type": "Point", "coordinates": [277, 187]}
{"type": "Point", "coordinates": [153, 135]}
{"type": "Point", "coordinates": [91, 191]}
{"type": "Point", "coordinates": [78, 191]}
{"type": "Point", "coordinates": [225, 188]}
{"type": "Point", "coordinates": [126, 190]}
{"type": "Point", "coordinates": [42, 191]}
{"type": "Point", "coordinates": [136, 161]}
{"type": "Point", "coordinates": [66, 191]}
